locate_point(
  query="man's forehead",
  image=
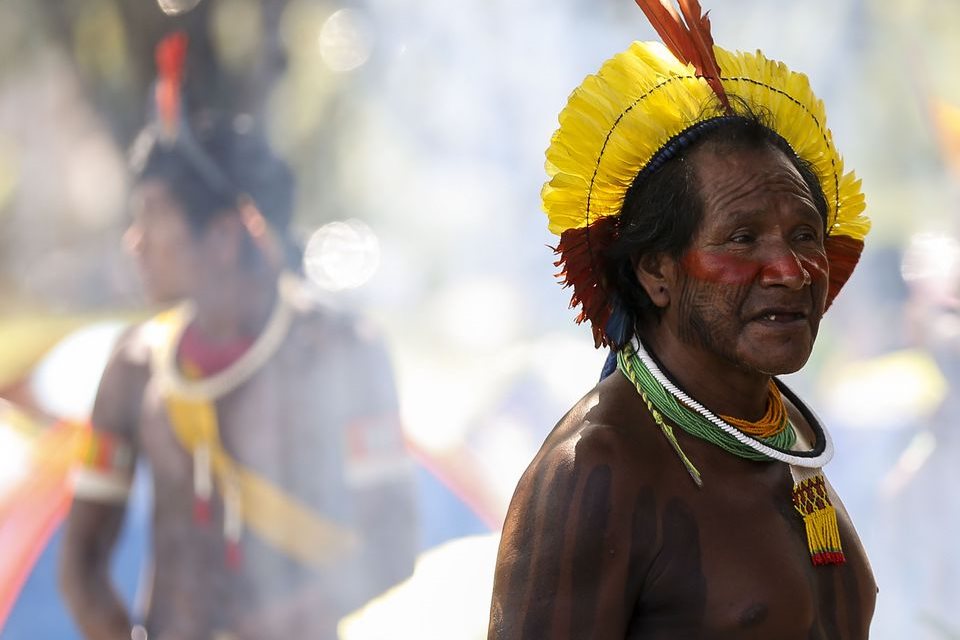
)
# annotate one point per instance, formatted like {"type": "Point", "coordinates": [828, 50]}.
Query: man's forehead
{"type": "Point", "coordinates": [153, 200]}
{"type": "Point", "coordinates": [728, 175]}
{"type": "Point", "coordinates": [153, 191]}
{"type": "Point", "coordinates": [747, 159]}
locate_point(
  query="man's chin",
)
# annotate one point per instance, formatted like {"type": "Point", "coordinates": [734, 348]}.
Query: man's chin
{"type": "Point", "coordinates": [774, 353]}
{"type": "Point", "coordinates": [779, 364]}
{"type": "Point", "coordinates": [159, 298]}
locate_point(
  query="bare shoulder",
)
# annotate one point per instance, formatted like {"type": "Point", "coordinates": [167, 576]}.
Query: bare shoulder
{"type": "Point", "coordinates": [345, 350]}
{"type": "Point", "coordinates": [319, 325]}
{"type": "Point", "coordinates": [134, 347]}
{"type": "Point", "coordinates": [577, 540]}
{"type": "Point", "coordinates": [599, 458]}
{"type": "Point", "coordinates": [608, 427]}
{"type": "Point", "coordinates": [123, 381]}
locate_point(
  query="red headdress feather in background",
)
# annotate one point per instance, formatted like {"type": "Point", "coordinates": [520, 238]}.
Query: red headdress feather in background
{"type": "Point", "coordinates": [171, 56]}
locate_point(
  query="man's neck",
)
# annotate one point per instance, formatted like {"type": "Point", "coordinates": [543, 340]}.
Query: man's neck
{"type": "Point", "coordinates": [236, 306]}
{"type": "Point", "coordinates": [713, 381]}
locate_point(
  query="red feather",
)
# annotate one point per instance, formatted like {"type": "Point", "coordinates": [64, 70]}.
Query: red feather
{"type": "Point", "coordinates": [171, 55]}
{"type": "Point", "coordinates": [688, 38]}
{"type": "Point", "coordinates": [666, 21]}
{"type": "Point", "coordinates": [699, 24]}
{"type": "Point", "coordinates": [580, 254]}
{"type": "Point", "coordinates": [843, 254]}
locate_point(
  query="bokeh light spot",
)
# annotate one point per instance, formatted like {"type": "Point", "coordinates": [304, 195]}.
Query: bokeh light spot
{"type": "Point", "coordinates": [342, 255]}
{"type": "Point", "coordinates": [176, 7]}
{"type": "Point", "coordinates": [346, 40]}
{"type": "Point", "coordinates": [931, 256]}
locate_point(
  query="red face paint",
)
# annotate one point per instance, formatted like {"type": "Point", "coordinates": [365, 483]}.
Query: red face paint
{"type": "Point", "coordinates": [731, 269]}
{"type": "Point", "coordinates": [720, 268]}
{"type": "Point", "coordinates": [817, 266]}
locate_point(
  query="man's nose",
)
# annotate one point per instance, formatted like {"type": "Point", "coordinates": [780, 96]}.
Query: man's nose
{"type": "Point", "coordinates": [782, 267]}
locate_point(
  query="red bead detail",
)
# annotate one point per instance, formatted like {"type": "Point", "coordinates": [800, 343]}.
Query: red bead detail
{"type": "Point", "coordinates": [201, 511]}
{"type": "Point", "coordinates": [234, 555]}
{"type": "Point", "coordinates": [829, 557]}
{"type": "Point", "coordinates": [105, 453]}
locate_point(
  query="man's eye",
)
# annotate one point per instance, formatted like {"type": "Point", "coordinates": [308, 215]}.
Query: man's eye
{"type": "Point", "coordinates": [741, 238]}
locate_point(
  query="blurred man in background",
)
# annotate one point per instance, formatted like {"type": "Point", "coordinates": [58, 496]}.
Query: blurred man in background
{"type": "Point", "coordinates": [282, 492]}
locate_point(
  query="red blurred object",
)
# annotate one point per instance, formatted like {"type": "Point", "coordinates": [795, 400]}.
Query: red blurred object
{"type": "Point", "coordinates": [234, 555]}
{"type": "Point", "coordinates": [35, 502]}
{"type": "Point", "coordinates": [171, 56]}
{"type": "Point", "coordinates": [201, 511]}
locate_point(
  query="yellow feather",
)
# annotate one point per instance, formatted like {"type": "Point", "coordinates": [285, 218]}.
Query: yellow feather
{"type": "Point", "coordinates": [618, 119]}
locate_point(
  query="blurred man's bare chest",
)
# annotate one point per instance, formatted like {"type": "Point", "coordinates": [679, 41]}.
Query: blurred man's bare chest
{"type": "Point", "coordinates": [280, 426]}
{"type": "Point", "coordinates": [263, 425]}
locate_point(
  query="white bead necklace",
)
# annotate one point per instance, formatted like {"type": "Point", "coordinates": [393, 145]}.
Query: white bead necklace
{"type": "Point", "coordinates": [169, 377]}
{"type": "Point", "coordinates": [809, 461]}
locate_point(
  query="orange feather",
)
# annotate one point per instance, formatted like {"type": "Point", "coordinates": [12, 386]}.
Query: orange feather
{"type": "Point", "coordinates": [688, 38]}
{"type": "Point", "coordinates": [171, 55]}
{"type": "Point", "coordinates": [667, 23]}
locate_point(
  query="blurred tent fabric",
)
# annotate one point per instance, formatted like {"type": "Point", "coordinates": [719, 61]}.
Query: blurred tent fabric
{"type": "Point", "coordinates": [34, 492]}
{"type": "Point", "coordinates": [59, 360]}
{"type": "Point", "coordinates": [26, 338]}
{"type": "Point", "coordinates": [37, 447]}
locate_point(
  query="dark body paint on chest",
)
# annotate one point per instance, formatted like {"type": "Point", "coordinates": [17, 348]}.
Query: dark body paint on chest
{"type": "Point", "coordinates": [735, 567]}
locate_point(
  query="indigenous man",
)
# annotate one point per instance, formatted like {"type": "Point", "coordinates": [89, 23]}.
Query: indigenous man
{"type": "Point", "coordinates": [282, 495]}
{"type": "Point", "coordinates": [705, 224]}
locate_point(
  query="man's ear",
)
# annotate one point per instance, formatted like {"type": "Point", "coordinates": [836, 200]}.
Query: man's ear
{"type": "Point", "coordinates": [657, 274]}
{"type": "Point", "coordinates": [264, 238]}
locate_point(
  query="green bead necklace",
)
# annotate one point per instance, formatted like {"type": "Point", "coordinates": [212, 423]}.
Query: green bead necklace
{"type": "Point", "coordinates": [690, 421]}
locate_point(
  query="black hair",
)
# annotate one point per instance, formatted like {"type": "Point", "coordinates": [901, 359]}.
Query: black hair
{"type": "Point", "coordinates": [663, 209]}
{"type": "Point", "coordinates": [212, 163]}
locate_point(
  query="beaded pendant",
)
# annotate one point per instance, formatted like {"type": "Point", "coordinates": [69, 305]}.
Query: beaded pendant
{"type": "Point", "coordinates": [812, 502]}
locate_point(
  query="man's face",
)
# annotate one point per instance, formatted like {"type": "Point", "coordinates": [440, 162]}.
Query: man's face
{"type": "Point", "coordinates": [161, 241]}
{"type": "Point", "coordinates": [753, 283]}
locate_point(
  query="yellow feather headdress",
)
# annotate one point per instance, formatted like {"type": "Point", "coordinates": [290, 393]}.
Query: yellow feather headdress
{"type": "Point", "coordinates": [641, 100]}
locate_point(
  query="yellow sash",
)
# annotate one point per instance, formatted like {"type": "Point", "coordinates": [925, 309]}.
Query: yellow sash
{"type": "Point", "coordinates": [280, 520]}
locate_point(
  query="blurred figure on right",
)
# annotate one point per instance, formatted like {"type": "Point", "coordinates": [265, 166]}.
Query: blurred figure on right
{"type": "Point", "coordinates": [919, 502]}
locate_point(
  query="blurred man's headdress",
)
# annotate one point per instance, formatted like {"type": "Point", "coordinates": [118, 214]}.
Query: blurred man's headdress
{"type": "Point", "coordinates": [168, 124]}
{"type": "Point", "coordinates": [645, 105]}
{"type": "Point", "coordinates": [216, 161]}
